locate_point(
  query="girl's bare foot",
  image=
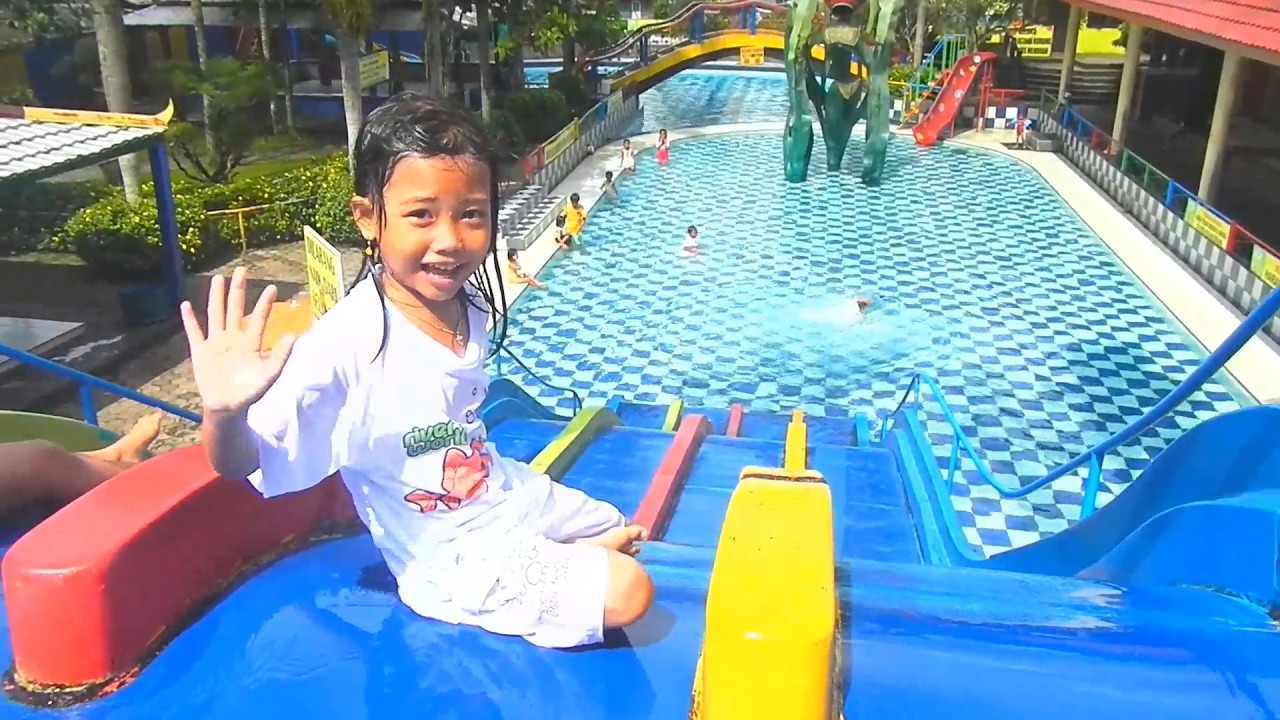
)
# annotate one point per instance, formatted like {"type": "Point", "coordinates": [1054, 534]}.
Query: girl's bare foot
{"type": "Point", "coordinates": [130, 447]}
{"type": "Point", "coordinates": [623, 539]}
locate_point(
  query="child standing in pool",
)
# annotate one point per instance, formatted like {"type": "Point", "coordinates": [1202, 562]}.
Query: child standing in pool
{"type": "Point", "coordinates": [609, 188]}
{"type": "Point", "coordinates": [664, 148]}
{"type": "Point", "coordinates": [386, 387]}
{"type": "Point", "coordinates": [628, 161]}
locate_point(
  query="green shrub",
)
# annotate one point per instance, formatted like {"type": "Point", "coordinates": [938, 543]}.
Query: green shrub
{"type": "Point", "coordinates": [570, 85]}
{"type": "Point", "coordinates": [121, 242]}
{"type": "Point", "coordinates": [30, 215]}
{"type": "Point", "coordinates": [331, 214]}
{"type": "Point", "coordinates": [504, 129]}
{"type": "Point", "coordinates": [540, 113]}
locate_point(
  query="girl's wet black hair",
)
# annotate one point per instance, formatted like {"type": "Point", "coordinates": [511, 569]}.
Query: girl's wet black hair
{"type": "Point", "coordinates": [414, 125]}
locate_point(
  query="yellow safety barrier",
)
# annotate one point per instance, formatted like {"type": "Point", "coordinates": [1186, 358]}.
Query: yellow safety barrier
{"type": "Point", "coordinates": [556, 458]}
{"type": "Point", "coordinates": [771, 646]}
{"type": "Point", "coordinates": [795, 449]}
{"type": "Point", "coordinates": [674, 411]}
{"type": "Point", "coordinates": [715, 44]}
{"type": "Point", "coordinates": [239, 214]}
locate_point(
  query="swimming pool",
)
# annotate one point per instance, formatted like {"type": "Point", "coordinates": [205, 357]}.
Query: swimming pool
{"type": "Point", "coordinates": [1042, 341]}
{"type": "Point", "coordinates": [694, 98]}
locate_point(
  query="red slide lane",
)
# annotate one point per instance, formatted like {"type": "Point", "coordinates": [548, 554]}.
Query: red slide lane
{"type": "Point", "coordinates": [950, 98]}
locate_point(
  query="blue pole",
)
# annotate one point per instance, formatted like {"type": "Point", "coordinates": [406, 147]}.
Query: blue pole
{"type": "Point", "coordinates": [87, 408]}
{"type": "Point", "coordinates": [695, 30]}
{"type": "Point", "coordinates": [752, 19]}
{"type": "Point", "coordinates": [644, 49]}
{"type": "Point", "coordinates": [168, 220]}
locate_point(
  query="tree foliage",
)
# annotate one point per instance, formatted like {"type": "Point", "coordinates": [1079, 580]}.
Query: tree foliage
{"type": "Point", "coordinates": [593, 24]}
{"type": "Point", "coordinates": [237, 93]}
{"type": "Point", "coordinates": [41, 19]}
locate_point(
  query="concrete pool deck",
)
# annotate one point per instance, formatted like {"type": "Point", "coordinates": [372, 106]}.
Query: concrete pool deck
{"type": "Point", "coordinates": [1207, 317]}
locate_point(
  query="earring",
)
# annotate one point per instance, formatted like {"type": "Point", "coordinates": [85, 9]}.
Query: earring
{"type": "Point", "coordinates": [370, 249]}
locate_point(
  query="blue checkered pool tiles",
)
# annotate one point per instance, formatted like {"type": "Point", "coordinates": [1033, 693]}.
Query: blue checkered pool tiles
{"type": "Point", "coordinates": [1041, 340]}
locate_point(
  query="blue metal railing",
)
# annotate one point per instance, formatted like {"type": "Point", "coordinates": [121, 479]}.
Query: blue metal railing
{"type": "Point", "coordinates": [1092, 457]}
{"type": "Point", "coordinates": [88, 384]}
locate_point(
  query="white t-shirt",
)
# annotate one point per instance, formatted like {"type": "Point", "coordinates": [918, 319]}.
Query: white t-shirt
{"type": "Point", "coordinates": [403, 426]}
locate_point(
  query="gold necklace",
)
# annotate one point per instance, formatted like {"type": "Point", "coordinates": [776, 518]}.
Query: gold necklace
{"type": "Point", "coordinates": [456, 332]}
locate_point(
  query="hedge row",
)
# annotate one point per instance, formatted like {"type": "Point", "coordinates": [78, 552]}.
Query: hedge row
{"type": "Point", "coordinates": [120, 242]}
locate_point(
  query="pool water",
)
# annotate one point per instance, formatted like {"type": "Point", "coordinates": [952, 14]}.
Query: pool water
{"type": "Point", "coordinates": [1042, 341]}
{"type": "Point", "coordinates": [694, 98]}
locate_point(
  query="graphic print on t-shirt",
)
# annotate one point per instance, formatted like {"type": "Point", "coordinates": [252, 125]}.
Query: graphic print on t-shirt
{"type": "Point", "coordinates": [465, 475]}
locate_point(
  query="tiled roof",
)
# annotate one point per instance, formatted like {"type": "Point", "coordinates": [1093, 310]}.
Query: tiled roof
{"type": "Point", "coordinates": [1251, 23]}
{"type": "Point", "coordinates": [33, 150]}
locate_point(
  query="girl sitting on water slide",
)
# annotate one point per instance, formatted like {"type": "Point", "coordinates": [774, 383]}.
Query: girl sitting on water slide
{"type": "Point", "coordinates": [386, 387]}
{"type": "Point", "coordinates": [39, 473]}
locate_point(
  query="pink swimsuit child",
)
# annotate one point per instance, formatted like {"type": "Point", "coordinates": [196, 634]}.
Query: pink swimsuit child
{"type": "Point", "coordinates": [664, 154]}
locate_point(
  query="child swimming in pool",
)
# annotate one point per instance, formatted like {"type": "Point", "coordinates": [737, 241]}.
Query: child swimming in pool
{"type": "Point", "coordinates": [690, 247]}
{"type": "Point", "coordinates": [664, 148]}
{"type": "Point", "coordinates": [386, 387]}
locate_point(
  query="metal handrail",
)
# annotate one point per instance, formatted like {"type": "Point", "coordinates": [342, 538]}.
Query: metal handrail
{"type": "Point", "coordinates": [915, 85]}
{"type": "Point", "coordinates": [1249, 327]}
{"type": "Point", "coordinates": [88, 383]}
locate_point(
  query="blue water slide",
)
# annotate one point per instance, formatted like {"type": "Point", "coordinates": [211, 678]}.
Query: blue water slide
{"type": "Point", "coordinates": [1206, 513]}
{"type": "Point", "coordinates": [507, 400]}
{"type": "Point", "coordinates": [1008, 645]}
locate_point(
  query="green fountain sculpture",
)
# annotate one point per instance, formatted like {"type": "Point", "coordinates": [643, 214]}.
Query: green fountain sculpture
{"type": "Point", "coordinates": [848, 30]}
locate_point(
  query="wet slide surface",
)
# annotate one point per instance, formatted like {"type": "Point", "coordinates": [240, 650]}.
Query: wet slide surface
{"type": "Point", "coordinates": [322, 634]}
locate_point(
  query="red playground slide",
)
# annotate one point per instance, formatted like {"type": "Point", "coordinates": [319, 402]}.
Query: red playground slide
{"type": "Point", "coordinates": [950, 97]}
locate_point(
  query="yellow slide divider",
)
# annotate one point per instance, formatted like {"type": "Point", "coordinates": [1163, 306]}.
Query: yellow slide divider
{"type": "Point", "coordinates": [674, 411]}
{"type": "Point", "coordinates": [771, 647]}
{"type": "Point", "coordinates": [795, 449]}
{"type": "Point", "coordinates": [716, 43]}
{"type": "Point", "coordinates": [559, 455]}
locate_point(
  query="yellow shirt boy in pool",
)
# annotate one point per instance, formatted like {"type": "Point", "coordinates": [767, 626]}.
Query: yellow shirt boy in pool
{"type": "Point", "coordinates": [574, 216]}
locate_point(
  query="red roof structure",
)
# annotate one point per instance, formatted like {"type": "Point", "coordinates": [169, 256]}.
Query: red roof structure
{"type": "Point", "coordinates": [1250, 27]}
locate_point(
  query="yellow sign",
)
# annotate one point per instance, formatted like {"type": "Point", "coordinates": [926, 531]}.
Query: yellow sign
{"type": "Point", "coordinates": [1035, 41]}
{"type": "Point", "coordinates": [375, 68]}
{"type": "Point", "coordinates": [751, 56]}
{"type": "Point", "coordinates": [324, 271]}
{"type": "Point", "coordinates": [1207, 224]}
{"type": "Point", "coordinates": [558, 144]}
{"type": "Point", "coordinates": [1265, 265]}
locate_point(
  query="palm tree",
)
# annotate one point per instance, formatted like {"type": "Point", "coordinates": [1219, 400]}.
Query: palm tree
{"type": "Point", "coordinates": [484, 46]}
{"type": "Point", "coordinates": [202, 57]}
{"type": "Point", "coordinates": [353, 20]}
{"type": "Point", "coordinates": [922, 20]}
{"type": "Point", "coordinates": [288, 79]}
{"type": "Point", "coordinates": [264, 30]}
{"type": "Point", "coordinates": [433, 50]}
{"type": "Point", "coordinates": [113, 59]}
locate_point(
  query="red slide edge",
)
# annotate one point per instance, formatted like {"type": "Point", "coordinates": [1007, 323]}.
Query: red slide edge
{"type": "Point", "coordinates": [96, 590]}
{"type": "Point", "coordinates": [733, 428]}
{"type": "Point", "coordinates": [660, 499]}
